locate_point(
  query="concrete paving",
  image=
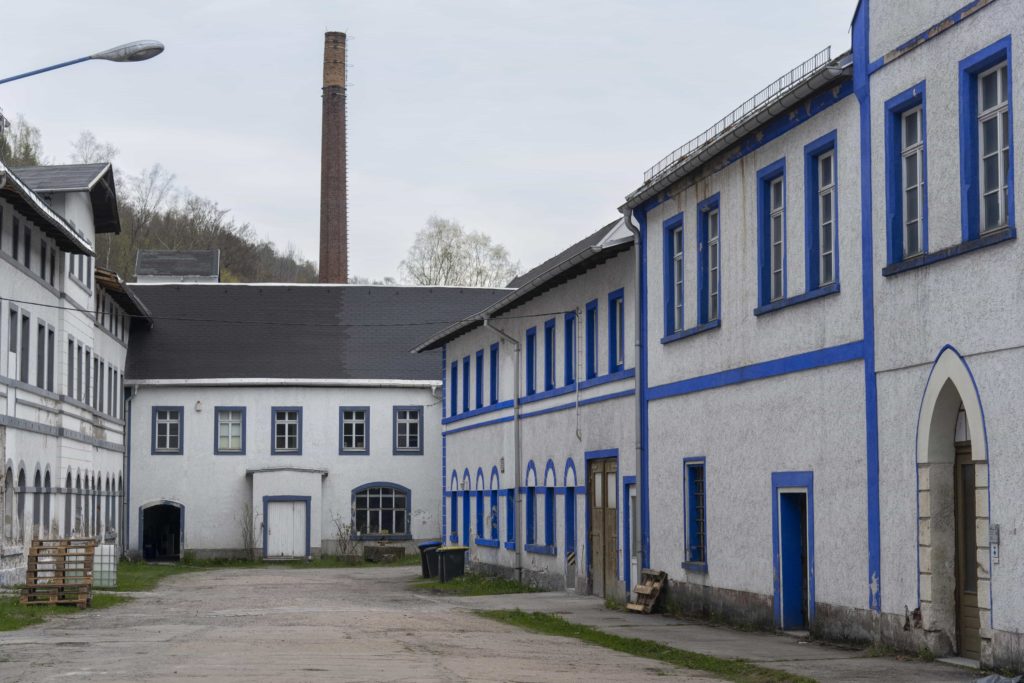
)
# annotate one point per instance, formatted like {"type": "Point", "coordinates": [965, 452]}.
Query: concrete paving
{"type": "Point", "coordinates": [816, 660]}
{"type": "Point", "coordinates": [281, 624]}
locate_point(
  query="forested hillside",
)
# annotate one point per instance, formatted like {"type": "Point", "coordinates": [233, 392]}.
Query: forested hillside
{"type": "Point", "coordinates": [158, 214]}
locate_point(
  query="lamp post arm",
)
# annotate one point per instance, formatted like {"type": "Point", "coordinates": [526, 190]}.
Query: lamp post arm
{"type": "Point", "coordinates": [44, 69]}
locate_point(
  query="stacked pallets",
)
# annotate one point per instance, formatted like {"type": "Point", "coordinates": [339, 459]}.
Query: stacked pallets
{"type": "Point", "coordinates": [59, 572]}
{"type": "Point", "coordinates": [647, 591]}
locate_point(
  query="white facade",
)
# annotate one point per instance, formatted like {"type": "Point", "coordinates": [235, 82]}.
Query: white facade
{"type": "Point", "coordinates": [215, 490]}
{"type": "Point", "coordinates": [63, 343]}
{"type": "Point", "coordinates": [564, 421]}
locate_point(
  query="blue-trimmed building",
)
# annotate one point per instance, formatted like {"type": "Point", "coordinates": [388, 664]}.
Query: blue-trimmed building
{"type": "Point", "coordinates": [828, 371]}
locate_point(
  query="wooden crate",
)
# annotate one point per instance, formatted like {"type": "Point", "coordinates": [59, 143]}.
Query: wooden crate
{"type": "Point", "coordinates": [59, 572]}
{"type": "Point", "coordinates": [647, 591]}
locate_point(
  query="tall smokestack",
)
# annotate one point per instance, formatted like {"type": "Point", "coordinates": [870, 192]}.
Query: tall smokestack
{"type": "Point", "coordinates": [333, 165]}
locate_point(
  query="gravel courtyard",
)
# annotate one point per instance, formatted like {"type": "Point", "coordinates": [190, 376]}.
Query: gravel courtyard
{"type": "Point", "coordinates": [303, 625]}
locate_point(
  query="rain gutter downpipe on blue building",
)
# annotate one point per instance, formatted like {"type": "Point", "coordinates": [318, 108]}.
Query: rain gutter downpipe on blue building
{"type": "Point", "coordinates": [639, 380]}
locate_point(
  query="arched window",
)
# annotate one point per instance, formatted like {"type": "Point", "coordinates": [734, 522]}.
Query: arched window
{"type": "Point", "coordinates": [67, 505]}
{"type": "Point", "coordinates": [20, 530]}
{"type": "Point", "coordinates": [120, 506]}
{"type": "Point", "coordinates": [47, 494]}
{"type": "Point", "coordinates": [9, 505]}
{"type": "Point", "coordinates": [107, 508]}
{"type": "Point", "coordinates": [78, 504]}
{"type": "Point", "coordinates": [37, 503]}
{"type": "Point", "coordinates": [381, 510]}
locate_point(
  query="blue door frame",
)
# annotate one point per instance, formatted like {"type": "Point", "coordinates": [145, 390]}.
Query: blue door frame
{"type": "Point", "coordinates": [793, 549]}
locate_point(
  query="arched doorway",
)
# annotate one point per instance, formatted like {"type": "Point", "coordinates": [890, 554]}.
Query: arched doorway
{"type": "Point", "coordinates": [161, 531]}
{"type": "Point", "coordinates": [952, 465]}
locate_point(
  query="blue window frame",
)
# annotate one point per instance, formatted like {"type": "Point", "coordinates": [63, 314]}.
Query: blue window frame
{"type": "Point", "coordinates": [549, 516]}
{"type": "Point", "coordinates": [531, 361]}
{"type": "Point", "coordinates": [771, 232]}
{"type": "Point", "coordinates": [465, 384]}
{"type": "Point", "coordinates": [570, 348]}
{"type": "Point", "coordinates": [168, 430]}
{"type": "Point", "coordinates": [354, 430]}
{"type": "Point", "coordinates": [591, 335]}
{"type": "Point", "coordinates": [696, 553]}
{"type": "Point", "coordinates": [986, 140]}
{"type": "Point", "coordinates": [709, 261]}
{"type": "Point", "coordinates": [454, 389]}
{"type": "Point", "coordinates": [480, 378]}
{"type": "Point", "coordinates": [454, 517]}
{"type": "Point", "coordinates": [549, 354]}
{"type": "Point", "coordinates": [616, 331]}
{"type": "Point", "coordinates": [229, 428]}
{"type": "Point", "coordinates": [480, 514]}
{"type": "Point", "coordinates": [381, 510]}
{"type": "Point", "coordinates": [672, 251]}
{"type": "Point", "coordinates": [407, 434]}
{"type": "Point", "coordinates": [531, 515]}
{"type": "Point", "coordinates": [510, 518]}
{"type": "Point", "coordinates": [493, 515]}
{"type": "Point", "coordinates": [494, 373]}
{"type": "Point", "coordinates": [286, 430]}
{"type": "Point", "coordinates": [821, 212]}
{"type": "Point", "coordinates": [906, 175]}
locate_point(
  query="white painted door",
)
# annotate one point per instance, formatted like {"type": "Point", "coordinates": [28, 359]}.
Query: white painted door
{"type": "Point", "coordinates": [286, 528]}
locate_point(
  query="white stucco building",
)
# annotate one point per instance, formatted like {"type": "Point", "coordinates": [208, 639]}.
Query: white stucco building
{"type": "Point", "coordinates": [63, 338]}
{"type": "Point", "coordinates": [270, 418]}
{"type": "Point", "coordinates": [540, 421]}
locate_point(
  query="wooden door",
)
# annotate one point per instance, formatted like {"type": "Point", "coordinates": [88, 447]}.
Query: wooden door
{"type": "Point", "coordinates": [968, 618]}
{"type": "Point", "coordinates": [286, 528]}
{"type": "Point", "coordinates": [602, 487]}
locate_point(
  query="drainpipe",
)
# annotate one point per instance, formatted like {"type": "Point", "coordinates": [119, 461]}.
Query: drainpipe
{"type": "Point", "coordinates": [638, 350]}
{"type": "Point", "coordinates": [126, 471]}
{"type": "Point", "coordinates": [518, 447]}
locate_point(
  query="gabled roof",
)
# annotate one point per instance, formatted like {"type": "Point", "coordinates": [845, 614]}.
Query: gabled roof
{"type": "Point", "coordinates": [26, 201]}
{"type": "Point", "coordinates": [119, 292]}
{"type": "Point", "coordinates": [592, 250]}
{"type": "Point", "coordinates": [172, 263]}
{"type": "Point", "coordinates": [294, 332]}
{"type": "Point", "coordinates": [96, 179]}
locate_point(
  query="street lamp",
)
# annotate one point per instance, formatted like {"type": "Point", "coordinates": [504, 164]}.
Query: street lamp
{"type": "Point", "coordinates": [137, 51]}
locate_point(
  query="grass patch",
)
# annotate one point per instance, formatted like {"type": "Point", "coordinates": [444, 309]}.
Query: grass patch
{"type": "Point", "coordinates": [730, 669]}
{"type": "Point", "coordinates": [474, 584]}
{"type": "Point", "coordinates": [14, 615]}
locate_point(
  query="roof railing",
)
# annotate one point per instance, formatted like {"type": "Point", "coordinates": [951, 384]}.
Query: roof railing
{"type": "Point", "coordinates": [759, 101]}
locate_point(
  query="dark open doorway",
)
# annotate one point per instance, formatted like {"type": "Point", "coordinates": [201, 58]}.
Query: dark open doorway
{"type": "Point", "coordinates": [161, 532]}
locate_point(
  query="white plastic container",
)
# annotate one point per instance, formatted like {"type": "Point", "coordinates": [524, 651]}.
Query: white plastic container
{"type": "Point", "coordinates": [104, 566]}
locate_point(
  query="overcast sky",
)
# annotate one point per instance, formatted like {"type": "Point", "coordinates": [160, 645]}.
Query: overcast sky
{"type": "Point", "coordinates": [527, 120]}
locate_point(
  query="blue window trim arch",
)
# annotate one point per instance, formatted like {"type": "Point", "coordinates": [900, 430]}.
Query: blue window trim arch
{"type": "Point", "coordinates": [408, 512]}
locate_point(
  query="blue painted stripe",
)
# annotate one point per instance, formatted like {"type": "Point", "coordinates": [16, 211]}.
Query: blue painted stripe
{"type": "Point", "coordinates": [486, 423]}
{"type": "Point", "coordinates": [540, 549]}
{"type": "Point", "coordinates": [477, 411]}
{"type": "Point", "coordinates": [833, 355]}
{"type": "Point", "coordinates": [583, 402]}
{"type": "Point", "coordinates": [926, 35]}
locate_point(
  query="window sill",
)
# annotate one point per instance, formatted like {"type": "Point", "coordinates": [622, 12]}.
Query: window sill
{"type": "Point", "coordinates": [291, 453]}
{"type": "Point", "coordinates": [683, 334]}
{"type": "Point", "coordinates": [541, 549]}
{"type": "Point", "coordinates": [166, 453]}
{"type": "Point", "coordinates": [487, 542]}
{"type": "Point", "coordinates": [382, 537]}
{"type": "Point", "coordinates": [406, 453]}
{"type": "Point", "coordinates": [701, 567]}
{"type": "Point", "coordinates": [219, 453]}
{"type": "Point", "coordinates": [354, 453]}
{"type": "Point", "coordinates": [818, 293]}
{"type": "Point", "coordinates": [922, 260]}
{"type": "Point", "coordinates": [510, 545]}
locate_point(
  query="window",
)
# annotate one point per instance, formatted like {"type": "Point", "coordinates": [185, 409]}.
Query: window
{"type": "Point", "coordinates": [986, 140]}
{"type": "Point", "coordinates": [510, 518]}
{"type": "Point", "coordinates": [26, 329]}
{"type": "Point", "coordinates": [355, 430]}
{"type": "Point", "coordinates": [531, 515]}
{"type": "Point", "coordinates": [168, 429]}
{"type": "Point", "coordinates": [27, 253]}
{"type": "Point", "coordinates": [50, 358]}
{"type": "Point", "coordinates": [531, 361]}
{"type": "Point", "coordinates": [616, 331]}
{"type": "Point", "coordinates": [408, 430]}
{"type": "Point", "coordinates": [12, 339]}
{"type": "Point", "coordinates": [53, 266]}
{"type": "Point", "coordinates": [480, 533]}
{"type": "Point", "coordinates": [42, 259]}
{"type": "Point", "coordinates": [696, 534]}
{"type": "Point", "coordinates": [453, 388]}
{"type": "Point", "coordinates": [549, 516]}
{"type": "Point", "coordinates": [88, 375]}
{"type": "Point", "coordinates": [230, 430]}
{"type": "Point", "coordinates": [820, 211]}
{"type": "Point", "coordinates": [708, 262]}
{"type": "Point", "coordinates": [494, 373]}
{"type": "Point", "coordinates": [549, 354]}
{"type": "Point", "coordinates": [454, 518]}
{"type": "Point", "coordinates": [41, 355]}
{"type": "Point", "coordinates": [493, 514]}
{"type": "Point", "coordinates": [673, 273]}
{"type": "Point", "coordinates": [287, 434]}
{"type": "Point", "coordinates": [381, 510]}
{"type": "Point", "coordinates": [465, 384]}
{"type": "Point", "coordinates": [15, 238]}
{"type": "Point", "coordinates": [71, 367]}
{"type": "Point", "coordinates": [772, 232]}
{"type": "Point", "coordinates": [906, 172]}
{"type": "Point", "coordinates": [591, 334]}
{"type": "Point", "coordinates": [479, 379]}
{"type": "Point", "coordinates": [570, 348]}
{"type": "Point", "coordinates": [78, 372]}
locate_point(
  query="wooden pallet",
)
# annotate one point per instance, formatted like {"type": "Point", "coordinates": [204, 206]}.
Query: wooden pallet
{"type": "Point", "coordinates": [59, 572]}
{"type": "Point", "coordinates": [647, 591]}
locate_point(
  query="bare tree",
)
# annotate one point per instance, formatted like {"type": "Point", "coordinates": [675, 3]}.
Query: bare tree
{"type": "Point", "coordinates": [21, 144]}
{"type": "Point", "coordinates": [88, 150]}
{"type": "Point", "coordinates": [444, 253]}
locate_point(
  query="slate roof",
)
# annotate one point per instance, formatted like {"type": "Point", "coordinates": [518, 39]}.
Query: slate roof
{"type": "Point", "coordinates": [206, 331]}
{"type": "Point", "coordinates": [96, 179]}
{"type": "Point", "coordinates": [25, 200]}
{"type": "Point", "coordinates": [587, 242]}
{"type": "Point", "coordinates": [172, 263]}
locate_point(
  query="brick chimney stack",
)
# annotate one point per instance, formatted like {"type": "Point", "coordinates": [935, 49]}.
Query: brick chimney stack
{"type": "Point", "coordinates": [333, 165]}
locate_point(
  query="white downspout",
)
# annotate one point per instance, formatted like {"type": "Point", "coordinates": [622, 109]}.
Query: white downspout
{"type": "Point", "coordinates": [638, 350]}
{"type": "Point", "coordinates": [517, 448]}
